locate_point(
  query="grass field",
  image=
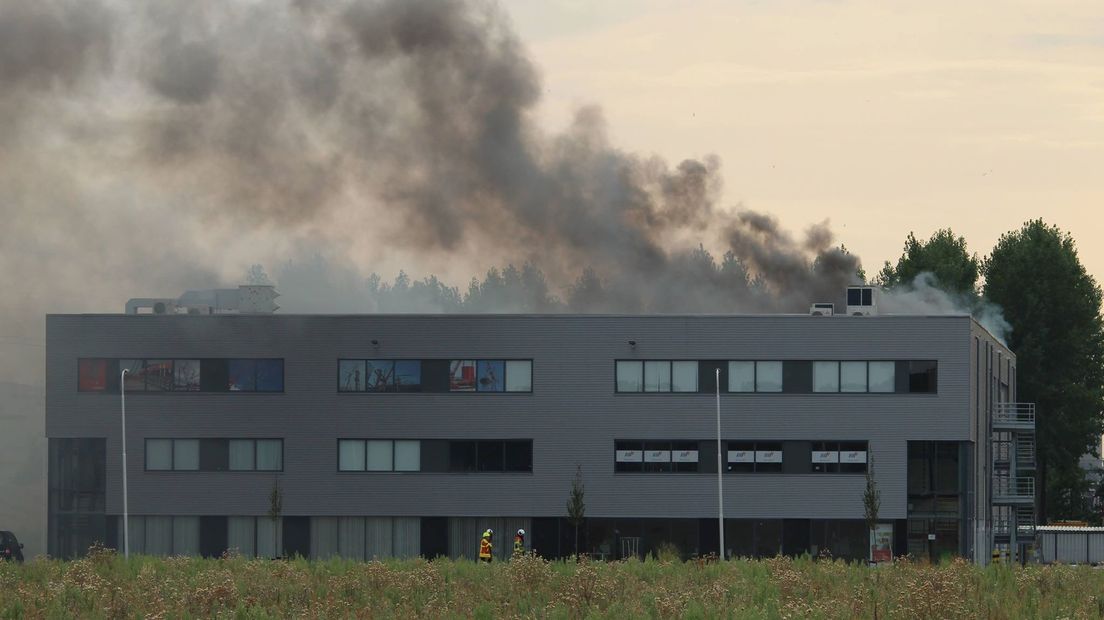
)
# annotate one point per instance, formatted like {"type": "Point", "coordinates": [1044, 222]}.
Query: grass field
{"type": "Point", "coordinates": [105, 586]}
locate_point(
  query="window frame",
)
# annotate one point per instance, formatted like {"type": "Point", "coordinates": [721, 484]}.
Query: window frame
{"type": "Point", "coordinates": [199, 468]}
{"type": "Point", "coordinates": [642, 380]}
{"type": "Point", "coordinates": [114, 384]}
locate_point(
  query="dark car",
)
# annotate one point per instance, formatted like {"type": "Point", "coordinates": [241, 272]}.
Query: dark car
{"type": "Point", "coordinates": [10, 547]}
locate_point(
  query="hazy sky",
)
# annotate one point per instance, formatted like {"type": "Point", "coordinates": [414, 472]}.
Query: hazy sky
{"type": "Point", "coordinates": [883, 116]}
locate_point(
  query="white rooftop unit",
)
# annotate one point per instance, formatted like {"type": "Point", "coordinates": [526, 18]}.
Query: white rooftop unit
{"type": "Point", "coordinates": [861, 301]}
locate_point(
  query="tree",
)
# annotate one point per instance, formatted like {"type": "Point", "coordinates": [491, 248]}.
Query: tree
{"type": "Point", "coordinates": [1053, 305]}
{"type": "Point", "coordinates": [944, 256]}
{"type": "Point", "coordinates": [275, 507]}
{"type": "Point", "coordinates": [872, 497]}
{"type": "Point", "coordinates": [576, 507]}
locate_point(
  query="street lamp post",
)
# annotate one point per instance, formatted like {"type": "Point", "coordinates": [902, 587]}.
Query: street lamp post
{"type": "Point", "coordinates": [126, 515]}
{"type": "Point", "coordinates": [720, 468]}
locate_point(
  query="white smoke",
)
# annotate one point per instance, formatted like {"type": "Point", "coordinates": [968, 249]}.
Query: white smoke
{"type": "Point", "coordinates": [923, 296]}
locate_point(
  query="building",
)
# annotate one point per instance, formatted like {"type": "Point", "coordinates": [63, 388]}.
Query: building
{"type": "Point", "coordinates": [410, 434]}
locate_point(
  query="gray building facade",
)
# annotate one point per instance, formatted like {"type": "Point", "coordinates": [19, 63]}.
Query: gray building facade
{"type": "Point", "coordinates": [409, 434]}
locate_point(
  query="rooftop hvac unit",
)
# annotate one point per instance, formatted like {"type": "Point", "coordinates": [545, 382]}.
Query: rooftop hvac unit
{"type": "Point", "coordinates": [860, 301]}
{"type": "Point", "coordinates": [822, 309]}
{"type": "Point", "coordinates": [246, 299]}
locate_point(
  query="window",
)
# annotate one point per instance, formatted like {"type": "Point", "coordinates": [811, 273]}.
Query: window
{"type": "Point", "coordinates": [491, 376]}
{"type": "Point", "coordinates": [408, 455]}
{"type": "Point", "coordinates": [883, 377]}
{"type": "Point", "coordinates": [159, 375]}
{"type": "Point", "coordinates": [135, 378]}
{"type": "Point", "coordinates": [378, 455]}
{"type": "Point", "coordinates": [379, 375]}
{"type": "Point", "coordinates": [92, 375]}
{"type": "Point", "coordinates": [826, 376]}
{"type": "Point", "coordinates": [630, 376]}
{"type": "Point", "coordinates": [768, 376]}
{"type": "Point", "coordinates": [634, 455]}
{"type": "Point", "coordinates": [186, 375]}
{"type": "Point", "coordinates": [922, 376]}
{"type": "Point", "coordinates": [214, 454]}
{"type": "Point", "coordinates": [754, 456]}
{"type": "Point", "coordinates": [519, 375]}
{"type": "Point", "coordinates": [270, 375]}
{"type": "Point", "coordinates": [462, 376]}
{"type": "Point", "coordinates": [243, 376]}
{"type": "Point", "coordinates": [657, 376]}
{"type": "Point", "coordinates": [741, 376]}
{"type": "Point", "coordinates": [514, 455]}
{"type": "Point", "coordinates": [848, 457]}
{"type": "Point", "coordinates": [684, 376]}
{"type": "Point", "coordinates": [852, 376]}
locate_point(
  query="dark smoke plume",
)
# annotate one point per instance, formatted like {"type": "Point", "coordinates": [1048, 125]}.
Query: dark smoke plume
{"type": "Point", "coordinates": [151, 147]}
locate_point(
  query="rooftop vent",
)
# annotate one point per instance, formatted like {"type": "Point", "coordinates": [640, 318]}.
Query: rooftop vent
{"type": "Point", "coordinates": [246, 299]}
{"type": "Point", "coordinates": [822, 309]}
{"type": "Point", "coordinates": [860, 301]}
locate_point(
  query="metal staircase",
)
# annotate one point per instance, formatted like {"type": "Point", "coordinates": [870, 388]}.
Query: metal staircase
{"type": "Point", "coordinates": [1012, 489]}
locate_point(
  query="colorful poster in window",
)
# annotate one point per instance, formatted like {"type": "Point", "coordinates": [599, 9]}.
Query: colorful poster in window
{"type": "Point", "coordinates": [380, 375]}
{"type": "Point", "coordinates": [92, 375]}
{"type": "Point", "coordinates": [186, 375]}
{"type": "Point", "coordinates": [242, 376]}
{"type": "Point", "coordinates": [135, 378]}
{"type": "Point", "coordinates": [270, 375]}
{"type": "Point", "coordinates": [408, 375]}
{"type": "Point", "coordinates": [351, 376]}
{"type": "Point", "coordinates": [881, 543]}
{"type": "Point", "coordinates": [491, 375]}
{"type": "Point", "coordinates": [462, 376]}
{"type": "Point", "coordinates": [159, 375]}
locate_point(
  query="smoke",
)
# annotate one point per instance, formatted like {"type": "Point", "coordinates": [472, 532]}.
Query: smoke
{"type": "Point", "coordinates": [923, 296]}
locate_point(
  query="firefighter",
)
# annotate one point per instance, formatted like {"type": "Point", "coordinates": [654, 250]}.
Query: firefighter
{"type": "Point", "coordinates": [519, 543]}
{"type": "Point", "coordinates": [485, 546]}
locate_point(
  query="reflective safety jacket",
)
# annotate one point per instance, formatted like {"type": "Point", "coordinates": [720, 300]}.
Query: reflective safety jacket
{"type": "Point", "coordinates": [519, 545]}
{"type": "Point", "coordinates": [485, 549]}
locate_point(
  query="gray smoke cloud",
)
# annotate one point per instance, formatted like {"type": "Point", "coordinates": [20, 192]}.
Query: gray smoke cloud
{"type": "Point", "coordinates": [150, 148]}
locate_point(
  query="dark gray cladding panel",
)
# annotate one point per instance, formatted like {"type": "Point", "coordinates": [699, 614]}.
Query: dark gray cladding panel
{"type": "Point", "coordinates": [573, 414]}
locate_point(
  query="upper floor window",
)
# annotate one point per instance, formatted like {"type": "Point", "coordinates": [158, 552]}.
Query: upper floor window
{"type": "Point", "coordinates": [181, 375]}
{"type": "Point", "coordinates": [214, 454]}
{"type": "Point", "coordinates": [923, 375]}
{"type": "Point", "coordinates": [657, 376]}
{"type": "Point", "coordinates": [854, 376]}
{"type": "Point", "coordinates": [747, 376]}
{"type": "Point", "coordinates": [490, 376]}
{"type": "Point", "coordinates": [379, 375]}
{"type": "Point", "coordinates": [378, 455]}
{"type": "Point", "coordinates": [495, 455]}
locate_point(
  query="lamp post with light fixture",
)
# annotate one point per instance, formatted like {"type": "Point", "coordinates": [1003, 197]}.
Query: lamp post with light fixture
{"type": "Point", "coordinates": [126, 515]}
{"type": "Point", "coordinates": [720, 463]}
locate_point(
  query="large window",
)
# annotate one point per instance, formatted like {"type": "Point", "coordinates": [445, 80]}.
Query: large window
{"type": "Point", "coordinates": [512, 455]}
{"type": "Point", "coordinates": [490, 375]}
{"type": "Point", "coordinates": [657, 376]}
{"type": "Point", "coordinates": [379, 455]}
{"type": "Point", "coordinates": [181, 375]}
{"type": "Point", "coordinates": [839, 457]}
{"type": "Point", "coordinates": [379, 375]}
{"type": "Point", "coordinates": [748, 376]}
{"type": "Point", "coordinates": [923, 376]}
{"type": "Point", "coordinates": [754, 456]}
{"type": "Point", "coordinates": [214, 454]}
{"type": "Point", "coordinates": [854, 376]}
{"type": "Point", "coordinates": [637, 455]}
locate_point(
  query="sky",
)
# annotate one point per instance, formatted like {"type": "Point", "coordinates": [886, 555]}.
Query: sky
{"type": "Point", "coordinates": [883, 117]}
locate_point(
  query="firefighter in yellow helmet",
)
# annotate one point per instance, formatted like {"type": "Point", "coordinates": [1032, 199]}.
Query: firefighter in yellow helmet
{"type": "Point", "coordinates": [485, 546]}
{"type": "Point", "coordinates": [519, 543]}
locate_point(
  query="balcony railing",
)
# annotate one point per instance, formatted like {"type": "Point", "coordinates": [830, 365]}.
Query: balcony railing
{"type": "Point", "coordinates": [1013, 490]}
{"type": "Point", "coordinates": [1014, 416]}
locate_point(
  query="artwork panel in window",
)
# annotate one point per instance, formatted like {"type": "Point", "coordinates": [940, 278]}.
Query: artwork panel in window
{"type": "Point", "coordinates": [186, 375]}
{"type": "Point", "coordinates": [408, 375]}
{"type": "Point", "coordinates": [242, 376]}
{"type": "Point", "coordinates": [380, 375]}
{"type": "Point", "coordinates": [491, 375]}
{"type": "Point", "coordinates": [159, 375]}
{"type": "Point", "coordinates": [135, 378]}
{"type": "Point", "coordinates": [352, 376]}
{"type": "Point", "coordinates": [462, 376]}
{"type": "Point", "coordinates": [92, 375]}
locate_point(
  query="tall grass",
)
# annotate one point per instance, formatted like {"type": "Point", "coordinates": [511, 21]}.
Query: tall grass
{"type": "Point", "coordinates": [103, 585]}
